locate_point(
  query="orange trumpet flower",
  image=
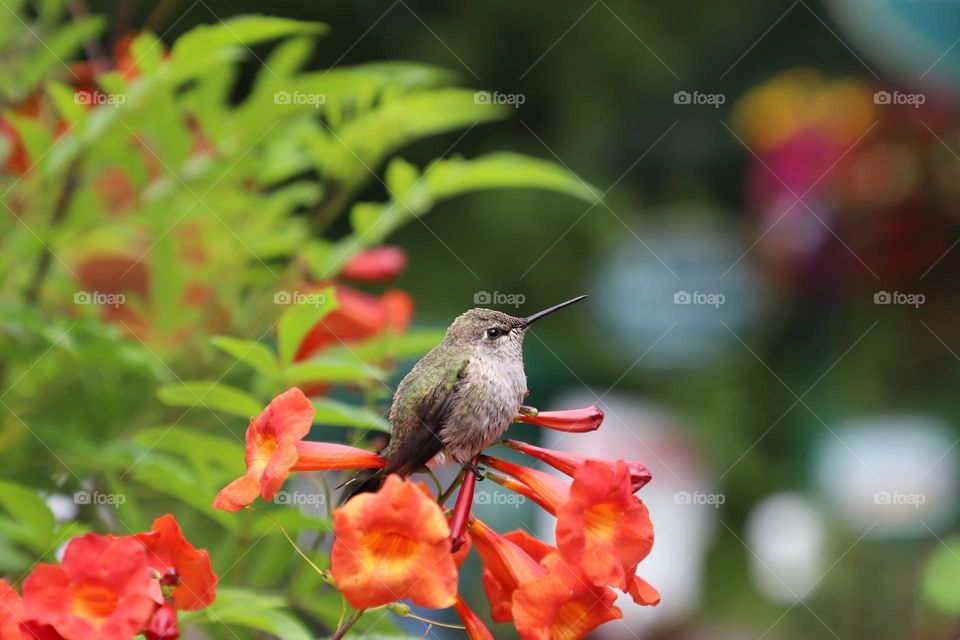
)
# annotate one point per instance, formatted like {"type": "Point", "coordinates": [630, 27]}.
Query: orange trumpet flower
{"type": "Point", "coordinates": [275, 447]}
{"type": "Point", "coordinates": [393, 545]}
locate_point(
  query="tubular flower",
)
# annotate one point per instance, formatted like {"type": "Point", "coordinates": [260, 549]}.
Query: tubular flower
{"type": "Point", "coordinates": [461, 511]}
{"type": "Point", "coordinates": [98, 591]}
{"type": "Point", "coordinates": [570, 463]}
{"type": "Point", "coordinates": [571, 420]}
{"type": "Point", "coordinates": [274, 448]}
{"type": "Point", "coordinates": [162, 624]}
{"type": "Point", "coordinates": [562, 605]}
{"type": "Point", "coordinates": [476, 630]}
{"type": "Point", "coordinates": [505, 567]}
{"type": "Point", "coordinates": [358, 316]}
{"type": "Point", "coordinates": [393, 545]}
{"type": "Point", "coordinates": [603, 527]}
{"type": "Point", "coordinates": [379, 264]}
{"type": "Point", "coordinates": [546, 490]}
{"type": "Point", "coordinates": [186, 577]}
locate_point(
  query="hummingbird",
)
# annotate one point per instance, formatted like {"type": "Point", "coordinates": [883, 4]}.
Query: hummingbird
{"type": "Point", "coordinates": [461, 396]}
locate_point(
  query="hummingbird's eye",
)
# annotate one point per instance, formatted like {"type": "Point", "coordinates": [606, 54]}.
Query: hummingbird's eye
{"type": "Point", "coordinates": [493, 332]}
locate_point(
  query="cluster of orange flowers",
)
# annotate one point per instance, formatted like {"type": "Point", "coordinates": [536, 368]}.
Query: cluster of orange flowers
{"type": "Point", "coordinates": [111, 588]}
{"type": "Point", "coordinates": [399, 544]}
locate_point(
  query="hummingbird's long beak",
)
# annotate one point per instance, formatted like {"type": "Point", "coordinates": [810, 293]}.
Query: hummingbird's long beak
{"type": "Point", "coordinates": [529, 320]}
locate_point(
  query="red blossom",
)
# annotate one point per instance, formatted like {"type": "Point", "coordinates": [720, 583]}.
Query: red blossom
{"type": "Point", "coordinates": [162, 624]}
{"type": "Point", "coordinates": [379, 264]}
{"type": "Point", "coordinates": [358, 316]}
{"type": "Point", "coordinates": [184, 571]}
{"type": "Point", "coordinates": [476, 630]}
{"type": "Point", "coordinates": [505, 567]}
{"type": "Point", "coordinates": [603, 527]}
{"type": "Point", "coordinates": [570, 420]}
{"type": "Point", "coordinates": [98, 591]}
{"type": "Point", "coordinates": [274, 448]}
{"type": "Point", "coordinates": [562, 605]}
{"type": "Point", "coordinates": [570, 463]}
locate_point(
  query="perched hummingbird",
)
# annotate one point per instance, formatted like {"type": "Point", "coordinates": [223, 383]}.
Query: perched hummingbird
{"type": "Point", "coordinates": [461, 396]}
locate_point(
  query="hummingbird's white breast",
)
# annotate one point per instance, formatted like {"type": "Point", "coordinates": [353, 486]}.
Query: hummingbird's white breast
{"type": "Point", "coordinates": [493, 392]}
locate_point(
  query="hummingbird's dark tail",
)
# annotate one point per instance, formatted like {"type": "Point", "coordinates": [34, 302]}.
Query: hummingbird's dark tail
{"type": "Point", "coordinates": [367, 480]}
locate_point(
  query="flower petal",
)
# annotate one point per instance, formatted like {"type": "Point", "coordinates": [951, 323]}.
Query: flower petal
{"type": "Point", "coordinates": [476, 630]}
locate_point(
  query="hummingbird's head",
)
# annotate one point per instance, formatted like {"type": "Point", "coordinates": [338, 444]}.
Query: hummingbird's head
{"type": "Point", "coordinates": [496, 332]}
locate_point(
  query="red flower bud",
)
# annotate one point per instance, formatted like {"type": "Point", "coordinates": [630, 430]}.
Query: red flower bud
{"type": "Point", "coordinates": [163, 624]}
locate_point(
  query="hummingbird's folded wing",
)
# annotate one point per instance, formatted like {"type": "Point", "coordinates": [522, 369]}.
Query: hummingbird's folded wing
{"type": "Point", "coordinates": [422, 440]}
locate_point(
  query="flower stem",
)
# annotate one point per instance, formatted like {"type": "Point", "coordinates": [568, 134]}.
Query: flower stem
{"type": "Point", "coordinates": [342, 631]}
{"type": "Point", "coordinates": [453, 487]}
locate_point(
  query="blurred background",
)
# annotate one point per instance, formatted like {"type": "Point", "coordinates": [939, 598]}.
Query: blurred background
{"type": "Point", "coordinates": [772, 325]}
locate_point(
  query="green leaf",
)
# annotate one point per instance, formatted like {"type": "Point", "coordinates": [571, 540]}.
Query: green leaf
{"type": "Point", "coordinates": [255, 610]}
{"type": "Point", "coordinates": [401, 175]}
{"type": "Point", "coordinates": [239, 31]}
{"type": "Point", "coordinates": [64, 99]}
{"type": "Point", "coordinates": [504, 170]}
{"type": "Point", "coordinates": [363, 215]}
{"type": "Point", "coordinates": [201, 447]}
{"type": "Point", "coordinates": [212, 395]}
{"type": "Point", "coordinates": [338, 414]}
{"type": "Point", "coordinates": [390, 346]}
{"type": "Point", "coordinates": [446, 179]}
{"type": "Point", "coordinates": [941, 586]}
{"type": "Point", "coordinates": [253, 353]}
{"type": "Point", "coordinates": [334, 369]}
{"type": "Point", "coordinates": [33, 523]}
{"type": "Point", "coordinates": [305, 311]}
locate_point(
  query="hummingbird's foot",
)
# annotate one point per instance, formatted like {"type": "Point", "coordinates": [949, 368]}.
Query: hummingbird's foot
{"type": "Point", "coordinates": [475, 469]}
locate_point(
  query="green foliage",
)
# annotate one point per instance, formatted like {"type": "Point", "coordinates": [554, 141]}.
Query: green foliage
{"type": "Point", "coordinates": [161, 265]}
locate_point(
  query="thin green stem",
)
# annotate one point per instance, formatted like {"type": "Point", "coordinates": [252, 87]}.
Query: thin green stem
{"type": "Point", "coordinates": [352, 620]}
{"type": "Point", "coordinates": [453, 485]}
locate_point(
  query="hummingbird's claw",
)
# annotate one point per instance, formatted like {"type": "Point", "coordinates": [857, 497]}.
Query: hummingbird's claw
{"type": "Point", "coordinates": [476, 470]}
